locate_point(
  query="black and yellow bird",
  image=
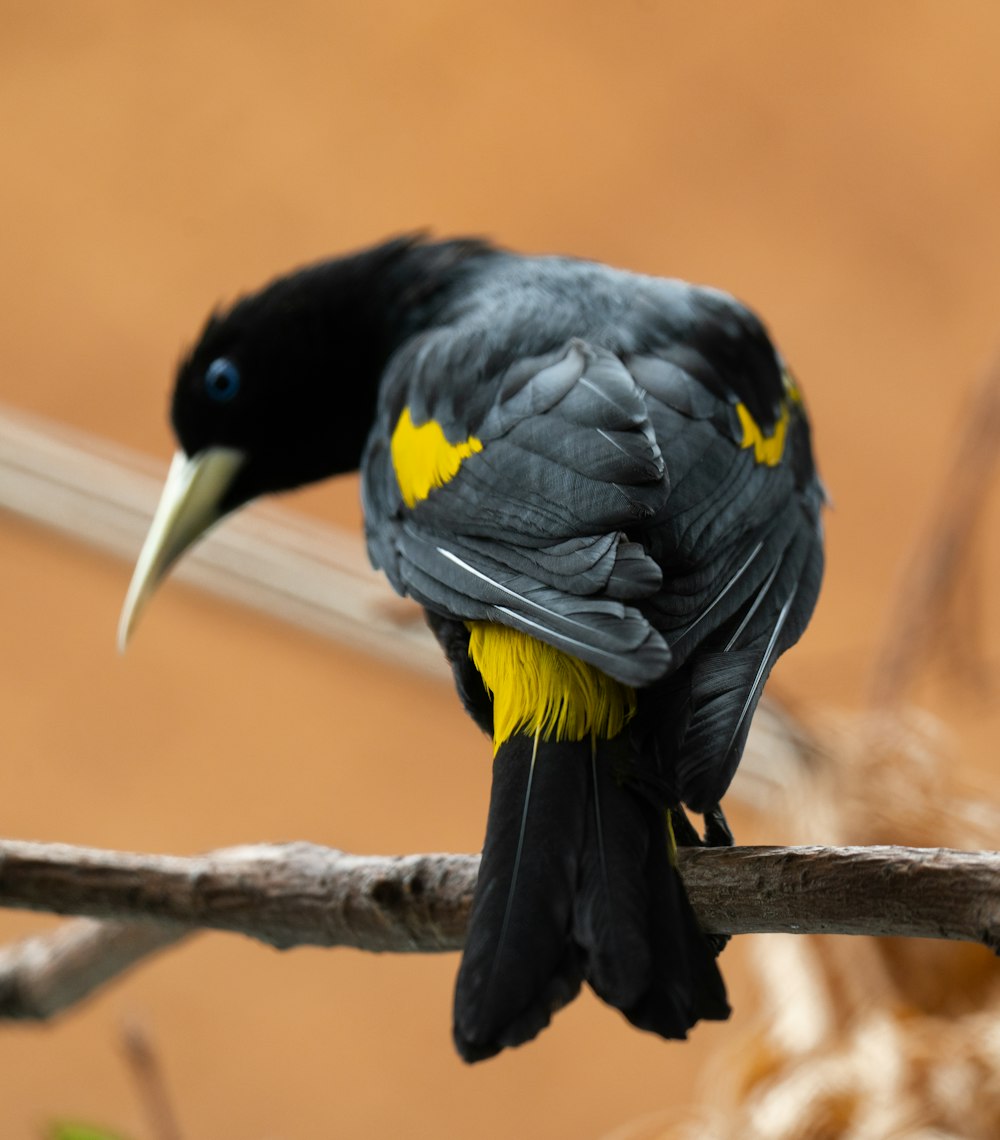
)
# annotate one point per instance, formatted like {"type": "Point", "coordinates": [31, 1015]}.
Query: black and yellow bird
{"type": "Point", "coordinates": [600, 487]}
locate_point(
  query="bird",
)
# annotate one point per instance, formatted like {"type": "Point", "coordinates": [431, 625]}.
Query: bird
{"type": "Point", "coordinates": [600, 486]}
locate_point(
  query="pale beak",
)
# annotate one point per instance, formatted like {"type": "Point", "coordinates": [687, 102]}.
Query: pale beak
{"type": "Point", "coordinates": [189, 505]}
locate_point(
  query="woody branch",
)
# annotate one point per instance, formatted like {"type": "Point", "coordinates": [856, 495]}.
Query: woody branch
{"type": "Point", "coordinates": [302, 894]}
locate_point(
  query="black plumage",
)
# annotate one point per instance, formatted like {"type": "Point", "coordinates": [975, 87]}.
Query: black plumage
{"type": "Point", "coordinates": [601, 488]}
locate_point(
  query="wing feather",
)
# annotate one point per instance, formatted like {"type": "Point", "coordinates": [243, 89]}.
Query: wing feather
{"type": "Point", "coordinates": [531, 529]}
{"type": "Point", "coordinates": [611, 507]}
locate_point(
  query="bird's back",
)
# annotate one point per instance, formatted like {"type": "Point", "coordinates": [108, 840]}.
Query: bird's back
{"type": "Point", "coordinates": [629, 479]}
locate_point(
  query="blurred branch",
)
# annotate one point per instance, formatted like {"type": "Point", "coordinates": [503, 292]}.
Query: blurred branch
{"type": "Point", "coordinates": [925, 610]}
{"type": "Point", "coordinates": [301, 894]}
{"type": "Point", "coordinates": [47, 973]}
{"type": "Point", "coordinates": [271, 559]}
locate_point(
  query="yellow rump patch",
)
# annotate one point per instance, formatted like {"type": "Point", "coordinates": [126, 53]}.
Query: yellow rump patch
{"type": "Point", "coordinates": [423, 458]}
{"type": "Point", "coordinates": [537, 690]}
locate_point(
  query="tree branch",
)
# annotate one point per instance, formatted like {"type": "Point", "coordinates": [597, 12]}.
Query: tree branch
{"type": "Point", "coordinates": [47, 973]}
{"type": "Point", "coordinates": [302, 894]}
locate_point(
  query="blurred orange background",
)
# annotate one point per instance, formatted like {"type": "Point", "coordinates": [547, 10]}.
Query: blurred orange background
{"type": "Point", "coordinates": [836, 166]}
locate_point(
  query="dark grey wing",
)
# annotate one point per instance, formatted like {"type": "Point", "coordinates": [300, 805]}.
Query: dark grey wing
{"type": "Point", "coordinates": [739, 543]}
{"type": "Point", "coordinates": [507, 497]}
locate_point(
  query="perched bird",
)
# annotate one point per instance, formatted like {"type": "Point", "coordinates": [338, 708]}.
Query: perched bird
{"type": "Point", "coordinates": [600, 487]}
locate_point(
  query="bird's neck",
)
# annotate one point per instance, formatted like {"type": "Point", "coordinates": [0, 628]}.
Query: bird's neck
{"type": "Point", "coordinates": [382, 297]}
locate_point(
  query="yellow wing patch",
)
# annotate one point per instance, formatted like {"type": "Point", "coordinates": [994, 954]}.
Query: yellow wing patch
{"type": "Point", "coordinates": [537, 690]}
{"type": "Point", "coordinates": [423, 458]}
{"type": "Point", "coordinates": [768, 449]}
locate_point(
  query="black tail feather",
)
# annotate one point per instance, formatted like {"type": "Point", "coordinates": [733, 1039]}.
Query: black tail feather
{"type": "Point", "coordinates": [644, 951]}
{"type": "Point", "coordinates": [577, 883]}
{"type": "Point", "coordinates": [687, 986]}
{"type": "Point", "coordinates": [520, 964]}
{"type": "Point", "coordinates": [611, 908]}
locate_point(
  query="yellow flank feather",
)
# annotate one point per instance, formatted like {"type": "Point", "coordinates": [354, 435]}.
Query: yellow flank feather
{"type": "Point", "coordinates": [537, 690]}
{"type": "Point", "coordinates": [423, 458]}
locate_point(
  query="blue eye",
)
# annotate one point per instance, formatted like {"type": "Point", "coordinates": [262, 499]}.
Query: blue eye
{"type": "Point", "coordinates": [222, 380]}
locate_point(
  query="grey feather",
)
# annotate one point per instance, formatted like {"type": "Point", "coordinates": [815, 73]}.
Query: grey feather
{"type": "Point", "coordinates": [612, 510]}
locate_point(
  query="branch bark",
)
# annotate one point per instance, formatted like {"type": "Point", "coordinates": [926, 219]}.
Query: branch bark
{"type": "Point", "coordinates": [47, 973]}
{"type": "Point", "coordinates": [301, 894]}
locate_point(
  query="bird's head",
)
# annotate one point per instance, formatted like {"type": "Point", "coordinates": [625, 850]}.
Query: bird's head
{"type": "Point", "coordinates": [280, 390]}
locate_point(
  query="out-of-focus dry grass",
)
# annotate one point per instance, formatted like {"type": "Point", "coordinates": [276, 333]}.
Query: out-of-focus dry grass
{"type": "Point", "coordinates": [876, 1039]}
{"type": "Point", "coordinates": [861, 1038]}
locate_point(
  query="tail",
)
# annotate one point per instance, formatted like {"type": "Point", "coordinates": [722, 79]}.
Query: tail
{"type": "Point", "coordinates": [577, 883]}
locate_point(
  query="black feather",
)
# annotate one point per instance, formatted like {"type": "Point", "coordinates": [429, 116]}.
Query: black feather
{"type": "Point", "coordinates": [644, 952]}
{"type": "Point", "coordinates": [598, 488]}
{"type": "Point", "coordinates": [520, 964]}
{"type": "Point", "coordinates": [577, 883]}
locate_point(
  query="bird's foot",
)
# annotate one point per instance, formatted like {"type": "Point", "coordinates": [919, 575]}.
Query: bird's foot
{"type": "Point", "coordinates": [717, 830]}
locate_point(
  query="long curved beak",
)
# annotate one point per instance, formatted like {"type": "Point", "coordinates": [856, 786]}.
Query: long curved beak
{"type": "Point", "coordinates": [189, 505]}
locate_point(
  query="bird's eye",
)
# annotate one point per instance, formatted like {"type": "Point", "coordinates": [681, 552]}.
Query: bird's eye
{"type": "Point", "coordinates": [222, 380]}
